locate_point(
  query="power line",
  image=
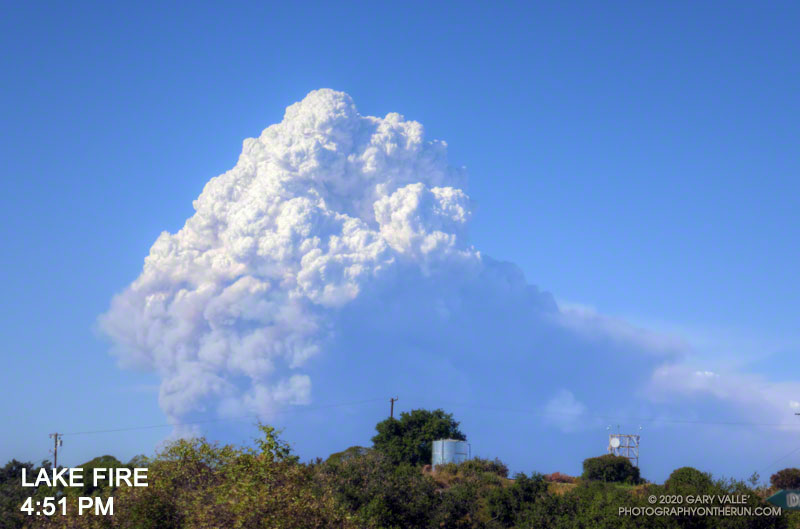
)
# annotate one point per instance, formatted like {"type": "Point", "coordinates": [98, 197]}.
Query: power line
{"type": "Point", "coordinates": [779, 460]}
{"type": "Point", "coordinates": [458, 404]}
{"type": "Point", "coordinates": [641, 420]}
{"type": "Point", "coordinates": [230, 419]}
{"type": "Point", "coordinates": [57, 437]}
{"type": "Point", "coordinates": [614, 418]}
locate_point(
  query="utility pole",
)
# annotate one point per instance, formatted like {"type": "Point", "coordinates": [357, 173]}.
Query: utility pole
{"type": "Point", "coordinates": [56, 437]}
{"type": "Point", "coordinates": [391, 408]}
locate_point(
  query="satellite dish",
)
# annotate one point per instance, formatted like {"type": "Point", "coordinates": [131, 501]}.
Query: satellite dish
{"type": "Point", "coordinates": [614, 442]}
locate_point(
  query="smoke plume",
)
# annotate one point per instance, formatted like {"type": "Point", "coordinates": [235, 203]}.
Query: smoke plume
{"type": "Point", "coordinates": [339, 241]}
{"type": "Point", "coordinates": [317, 208]}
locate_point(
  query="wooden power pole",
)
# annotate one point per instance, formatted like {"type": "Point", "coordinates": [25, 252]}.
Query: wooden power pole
{"type": "Point", "coordinates": [56, 437]}
{"type": "Point", "coordinates": [391, 406]}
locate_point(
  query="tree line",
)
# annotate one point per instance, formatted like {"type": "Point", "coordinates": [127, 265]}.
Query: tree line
{"type": "Point", "coordinates": [196, 483]}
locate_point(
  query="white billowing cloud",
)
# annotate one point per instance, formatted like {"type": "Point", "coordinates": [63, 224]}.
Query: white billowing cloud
{"type": "Point", "coordinates": [566, 412]}
{"type": "Point", "coordinates": [347, 234]}
{"type": "Point", "coordinates": [420, 223]}
{"type": "Point", "coordinates": [317, 207]}
{"type": "Point", "coordinates": [588, 321]}
{"type": "Point", "coordinates": [762, 401]}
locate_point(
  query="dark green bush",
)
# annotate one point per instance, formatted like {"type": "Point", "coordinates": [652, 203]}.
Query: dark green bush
{"type": "Point", "coordinates": [508, 505]}
{"type": "Point", "coordinates": [380, 493]}
{"type": "Point", "coordinates": [475, 467]}
{"type": "Point", "coordinates": [353, 451]}
{"type": "Point", "coordinates": [610, 468]}
{"type": "Point", "coordinates": [410, 438]}
{"type": "Point", "coordinates": [788, 478]}
{"type": "Point", "coordinates": [688, 480]}
{"type": "Point", "coordinates": [153, 509]}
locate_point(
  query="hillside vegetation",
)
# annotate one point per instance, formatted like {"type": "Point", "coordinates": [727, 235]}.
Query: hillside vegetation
{"type": "Point", "coordinates": [194, 483]}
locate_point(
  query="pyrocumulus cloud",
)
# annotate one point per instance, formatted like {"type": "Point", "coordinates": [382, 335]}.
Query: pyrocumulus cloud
{"type": "Point", "coordinates": [315, 209]}
{"type": "Point", "coordinates": [342, 234]}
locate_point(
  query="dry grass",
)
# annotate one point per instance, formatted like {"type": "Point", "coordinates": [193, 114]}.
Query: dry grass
{"type": "Point", "coordinates": [559, 489]}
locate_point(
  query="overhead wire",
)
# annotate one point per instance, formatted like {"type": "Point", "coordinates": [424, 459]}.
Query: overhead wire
{"type": "Point", "coordinates": [224, 419]}
{"type": "Point", "coordinates": [650, 420]}
{"type": "Point", "coordinates": [467, 405]}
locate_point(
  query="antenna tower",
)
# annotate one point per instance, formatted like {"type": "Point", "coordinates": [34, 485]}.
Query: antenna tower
{"type": "Point", "coordinates": [625, 445]}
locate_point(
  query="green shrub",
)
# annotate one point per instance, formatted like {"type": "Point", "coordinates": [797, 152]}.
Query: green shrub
{"type": "Point", "coordinates": [353, 451]}
{"type": "Point", "coordinates": [689, 480]}
{"type": "Point", "coordinates": [788, 478]}
{"type": "Point", "coordinates": [508, 505]}
{"type": "Point", "coordinates": [88, 471]}
{"type": "Point", "coordinates": [12, 493]}
{"type": "Point", "coordinates": [410, 438]}
{"type": "Point", "coordinates": [379, 493]}
{"type": "Point", "coordinates": [474, 467]}
{"type": "Point", "coordinates": [610, 468]}
{"type": "Point", "coordinates": [153, 509]}
{"type": "Point", "coordinates": [481, 466]}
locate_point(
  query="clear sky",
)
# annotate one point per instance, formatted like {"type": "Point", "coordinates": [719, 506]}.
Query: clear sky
{"type": "Point", "coordinates": [638, 160]}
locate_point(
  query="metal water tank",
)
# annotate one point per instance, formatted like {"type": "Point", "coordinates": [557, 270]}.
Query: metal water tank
{"type": "Point", "coordinates": [450, 451]}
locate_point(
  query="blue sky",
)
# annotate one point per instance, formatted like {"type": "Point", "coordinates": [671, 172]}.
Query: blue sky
{"type": "Point", "coordinates": [637, 159]}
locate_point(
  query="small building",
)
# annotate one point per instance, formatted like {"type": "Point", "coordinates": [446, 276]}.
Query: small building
{"type": "Point", "coordinates": [449, 451]}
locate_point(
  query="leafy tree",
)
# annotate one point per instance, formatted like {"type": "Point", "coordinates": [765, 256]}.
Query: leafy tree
{"type": "Point", "coordinates": [12, 493]}
{"type": "Point", "coordinates": [596, 504]}
{"type": "Point", "coordinates": [379, 493]}
{"type": "Point", "coordinates": [610, 468]}
{"type": "Point", "coordinates": [688, 480]}
{"type": "Point", "coordinates": [273, 448]}
{"type": "Point", "coordinates": [788, 478]}
{"type": "Point", "coordinates": [508, 505]}
{"type": "Point", "coordinates": [410, 439]}
{"type": "Point", "coordinates": [353, 451]}
{"type": "Point", "coordinates": [459, 507]}
{"type": "Point", "coordinates": [138, 461]}
{"type": "Point", "coordinates": [154, 508]}
{"type": "Point", "coordinates": [463, 492]}
{"type": "Point", "coordinates": [88, 488]}
{"type": "Point", "coordinates": [199, 484]}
